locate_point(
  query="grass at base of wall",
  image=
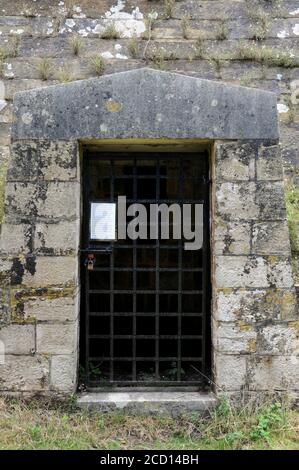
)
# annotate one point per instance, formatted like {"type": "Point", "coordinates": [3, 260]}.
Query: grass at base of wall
{"type": "Point", "coordinates": [42, 425]}
{"type": "Point", "coordinates": [292, 205]}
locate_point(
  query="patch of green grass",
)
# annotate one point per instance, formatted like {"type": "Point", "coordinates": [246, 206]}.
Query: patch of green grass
{"type": "Point", "coordinates": [133, 46]}
{"type": "Point", "coordinates": [169, 8]}
{"type": "Point", "coordinates": [76, 44]}
{"type": "Point", "coordinates": [97, 64]}
{"type": "Point", "coordinates": [50, 425]}
{"type": "Point", "coordinates": [64, 75]}
{"type": "Point", "coordinates": [199, 46]}
{"type": "Point", "coordinates": [110, 32]}
{"type": "Point", "coordinates": [266, 55]}
{"type": "Point", "coordinates": [185, 26]}
{"type": "Point", "coordinates": [44, 69]}
{"type": "Point", "coordinates": [292, 205]}
{"type": "Point", "coordinates": [222, 31]}
{"type": "Point", "coordinates": [3, 170]}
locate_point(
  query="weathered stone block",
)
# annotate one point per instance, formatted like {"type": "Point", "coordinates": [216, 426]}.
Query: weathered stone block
{"type": "Point", "coordinates": [51, 271]}
{"type": "Point", "coordinates": [277, 340]}
{"type": "Point", "coordinates": [23, 84]}
{"type": "Point", "coordinates": [273, 373]}
{"type": "Point", "coordinates": [44, 304]}
{"type": "Point", "coordinates": [230, 371]}
{"type": "Point", "coordinates": [48, 200]}
{"type": "Point", "coordinates": [252, 271]}
{"type": "Point", "coordinates": [44, 47]}
{"type": "Point", "coordinates": [270, 238]}
{"type": "Point", "coordinates": [24, 373]}
{"type": "Point", "coordinates": [280, 272]}
{"type": "Point", "coordinates": [254, 306]}
{"type": "Point", "coordinates": [43, 160]}
{"type": "Point", "coordinates": [24, 162]}
{"type": "Point", "coordinates": [59, 239]}
{"type": "Point", "coordinates": [235, 161]}
{"type": "Point", "coordinates": [56, 338]}
{"type": "Point", "coordinates": [63, 373]}
{"type": "Point", "coordinates": [270, 198]}
{"type": "Point", "coordinates": [211, 10]}
{"type": "Point", "coordinates": [5, 271]}
{"type": "Point", "coordinates": [241, 271]}
{"type": "Point", "coordinates": [237, 200]}
{"type": "Point", "coordinates": [59, 160]}
{"type": "Point", "coordinates": [16, 239]}
{"type": "Point", "coordinates": [269, 163]}
{"type": "Point", "coordinates": [58, 310]}
{"type": "Point", "coordinates": [18, 339]}
{"type": "Point", "coordinates": [4, 306]}
{"type": "Point", "coordinates": [231, 237]}
{"type": "Point", "coordinates": [234, 338]}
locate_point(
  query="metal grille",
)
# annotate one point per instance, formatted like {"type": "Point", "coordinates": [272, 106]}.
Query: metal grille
{"type": "Point", "coordinates": [145, 303]}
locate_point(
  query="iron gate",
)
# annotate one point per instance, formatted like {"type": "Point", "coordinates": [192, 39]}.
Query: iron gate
{"type": "Point", "coordinates": [145, 303]}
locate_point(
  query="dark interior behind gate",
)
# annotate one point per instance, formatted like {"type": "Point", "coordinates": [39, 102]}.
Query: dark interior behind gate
{"type": "Point", "coordinates": [145, 304]}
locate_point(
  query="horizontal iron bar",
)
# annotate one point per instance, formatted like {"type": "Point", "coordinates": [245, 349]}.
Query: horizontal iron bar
{"type": "Point", "coordinates": [106, 250]}
{"type": "Point", "coordinates": [184, 336]}
{"type": "Point", "coordinates": [145, 314]}
{"type": "Point", "coordinates": [144, 291]}
{"type": "Point", "coordinates": [147, 383]}
{"type": "Point", "coordinates": [144, 359]}
{"type": "Point", "coordinates": [148, 270]}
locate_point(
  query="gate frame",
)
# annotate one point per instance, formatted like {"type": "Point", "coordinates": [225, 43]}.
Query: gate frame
{"type": "Point", "coordinates": [154, 151]}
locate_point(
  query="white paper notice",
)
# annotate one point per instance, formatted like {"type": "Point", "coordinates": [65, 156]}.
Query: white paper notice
{"type": "Point", "coordinates": [102, 221]}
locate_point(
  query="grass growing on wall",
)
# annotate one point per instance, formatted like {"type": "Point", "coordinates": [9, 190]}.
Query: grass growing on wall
{"type": "Point", "coordinates": [3, 170]}
{"type": "Point", "coordinates": [37, 425]}
{"type": "Point", "coordinates": [292, 205]}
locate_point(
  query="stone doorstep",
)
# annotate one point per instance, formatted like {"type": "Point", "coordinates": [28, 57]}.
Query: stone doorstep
{"type": "Point", "coordinates": [148, 402]}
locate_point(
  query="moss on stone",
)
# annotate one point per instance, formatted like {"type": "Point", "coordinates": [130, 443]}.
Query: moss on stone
{"type": "Point", "coordinates": [21, 296]}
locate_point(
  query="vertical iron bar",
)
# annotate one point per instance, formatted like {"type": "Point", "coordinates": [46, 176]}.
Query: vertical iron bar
{"type": "Point", "coordinates": [180, 255]}
{"type": "Point", "coordinates": [157, 315]}
{"type": "Point", "coordinates": [111, 282]}
{"type": "Point", "coordinates": [87, 354]}
{"type": "Point", "coordinates": [134, 278]}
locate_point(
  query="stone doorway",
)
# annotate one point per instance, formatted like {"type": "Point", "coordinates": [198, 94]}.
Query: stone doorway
{"type": "Point", "coordinates": [254, 318]}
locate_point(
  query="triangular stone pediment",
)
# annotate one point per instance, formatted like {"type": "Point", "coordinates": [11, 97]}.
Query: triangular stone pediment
{"type": "Point", "coordinates": [145, 103]}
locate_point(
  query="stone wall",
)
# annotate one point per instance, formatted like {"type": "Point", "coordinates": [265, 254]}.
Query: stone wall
{"type": "Point", "coordinates": [39, 272]}
{"type": "Point", "coordinates": [254, 314]}
{"type": "Point", "coordinates": [247, 42]}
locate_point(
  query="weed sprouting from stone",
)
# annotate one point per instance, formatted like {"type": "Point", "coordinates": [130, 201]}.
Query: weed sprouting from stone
{"type": "Point", "coordinates": [76, 44]}
{"type": "Point", "coordinates": [44, 69]}
{"type": "Point", "coordinates": [98, 64]}
{"type": "Point", "coordinates": [222, 31]}
{"type": "Point", "coordinates": [133, 47]}
{"type": "Point", "coordinates": [169, 8]}
{"type": "Point", "coordinates": [185, 26]}
{"type": "Point", "coordinates": [199, 47]}
{"type": "Point", "coordinates": [64, 75]}
{"type": "Point", "coordinates": [110, 32]}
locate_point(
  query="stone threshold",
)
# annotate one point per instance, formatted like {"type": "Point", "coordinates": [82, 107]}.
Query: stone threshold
{"type": "Point", "coordinates": [148, 402]}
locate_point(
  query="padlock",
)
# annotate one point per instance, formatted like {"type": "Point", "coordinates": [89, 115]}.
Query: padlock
{"type": "Point", "coordinates": [90, 264]}
{"type": "Point", "coordinates": [90, 261]}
